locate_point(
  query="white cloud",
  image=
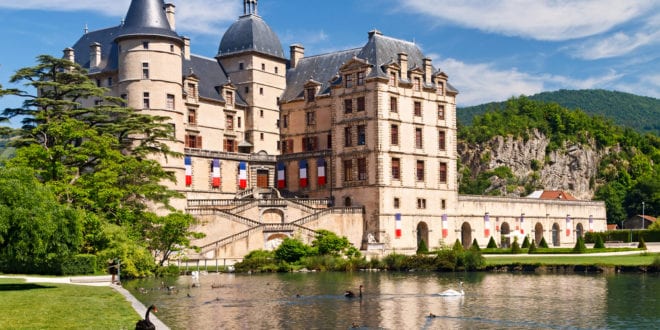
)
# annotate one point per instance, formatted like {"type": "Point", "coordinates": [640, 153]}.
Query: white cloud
{"type": "Point", "coordinates": [483, 82]}
{"type": "Point", "coordinates": [536, 19]}
{"type": "Point", "coordinates": [192, 16]}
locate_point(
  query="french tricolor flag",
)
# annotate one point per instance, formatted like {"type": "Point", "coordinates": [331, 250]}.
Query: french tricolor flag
{"type": "Point", "coordinates": [281, 181]}
{"type": "Point", "coordinates": [522, 220]}
{"type": "Point", "coordinates": [445, 230]}
{"type": "Point", "coordinates": [242, 175]}
{"type": "Point", "coordinates": [215, 173]}
{"type": "Point", "coordinates": [303, 173]}
{"type": "Point", "coordinates": [486, 225]}
{"type": "Point", "coordinates": [591, 223]}
{"type": "Point", "coordinates": [397, 225]}
{"type": "Point", "coordinates": [188, 162]}
{"type": "Point", "coordinates": [568, 225]}
{"type": "Point", "coordinates": [321, 171]}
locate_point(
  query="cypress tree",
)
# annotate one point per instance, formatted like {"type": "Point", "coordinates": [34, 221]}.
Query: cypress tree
{"type": "Point", "coordinates": [532, 247]}
{"type": "Point", "coordinates": [579, 246]}
{"type": "Point", "coordinates": [599, 244]}
{"type": "Point", "coordinates": [491, 243]}
{"type": "Point", "coordinates": [525, 244]}
{"type": "Point", "coordinates": [543, 243]}
{"type": "Point", "coordinates": [475, 245]}
{"type": "Point", "coordinates": [515, 247]}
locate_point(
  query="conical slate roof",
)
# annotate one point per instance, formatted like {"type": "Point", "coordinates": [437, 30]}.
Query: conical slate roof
{"type": "Point", "coordinates": [147, 18]}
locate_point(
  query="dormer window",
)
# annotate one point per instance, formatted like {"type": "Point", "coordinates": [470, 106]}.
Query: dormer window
{"type": "Point", "coordinates": [229, 98]}
{"type": "Point", "coordinates": [311, 94]}
{"type": "Point", "coordinates": [393, 79]}
{"type": "Point", "coordinates": [360, 78]}
{"type": "Point", "coordinates": [417, 84]}
{"type": "Point", "coordinates": [348, 80]}
{"type": "Point", "coordinates": [441, 88]}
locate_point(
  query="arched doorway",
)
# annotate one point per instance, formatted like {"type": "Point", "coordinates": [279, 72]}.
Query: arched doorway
{"type": "Point", "coordinates": [505, 241]}
{"type": "Point", "coordinates": [272, 216]}
{"type": "Point", "coordinates": [422, 234]}
{"type": "Point", "coordinates": [274, 241]}
{"type": "Point", "coordinates": [579, 230]}
{"type": "Point", "coordinates": [466, 235]}
{"type": "Point", "coordinates": [555, 234]}
{"type": "Point", "coordinates": [538, 233]}
{"type": "Point", "coordinates": [347, 201]}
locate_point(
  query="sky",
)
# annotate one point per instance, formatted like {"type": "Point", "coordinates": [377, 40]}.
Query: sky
{"type": "Point", "coordinates": [491, 50]}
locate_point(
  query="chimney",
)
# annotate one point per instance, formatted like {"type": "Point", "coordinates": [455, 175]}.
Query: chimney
{"type": "Point", "coordinates": [186, 48]}
{"type": "Point", "coordinates": [403, 63]}
{"type": "Point", "coordinates": [297, 53]}
{"type": "Point", "coordinates": [428, 71]}
{"type": "Point", "coordinates": [169, 11]}
{"type": "Point", "coordinates": [69, 54]}
{"type": "Point", "coordinates": [94, 55]}
{"type": "Point", "coordinates": [374, 32]}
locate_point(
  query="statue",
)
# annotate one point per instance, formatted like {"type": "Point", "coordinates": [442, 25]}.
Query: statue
{"type": "Point", "coordinates": [371, 238]}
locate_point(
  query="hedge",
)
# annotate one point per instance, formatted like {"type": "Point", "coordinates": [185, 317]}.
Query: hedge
{"type": "Point", "coordinates": [623, 235]}
{"type": "Point", "coordinates": [80, 264]}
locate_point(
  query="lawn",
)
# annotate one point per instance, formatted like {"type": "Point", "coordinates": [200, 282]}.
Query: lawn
{"type": "Point", "coordinates": [624, 260]}
{"type": "Point", "coordinates": [63, 306]}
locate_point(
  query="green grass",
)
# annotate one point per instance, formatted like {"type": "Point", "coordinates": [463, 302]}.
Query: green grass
{"type": "Point", "coordinates": [62, 306]}
{"type": "Point", "coordinates": [557, 250]}
{"type": "Point", "coordinates": [627, 260]}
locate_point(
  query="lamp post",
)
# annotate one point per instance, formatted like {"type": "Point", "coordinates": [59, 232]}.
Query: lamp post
{"type": "Point", "coordinates": [643, 216]}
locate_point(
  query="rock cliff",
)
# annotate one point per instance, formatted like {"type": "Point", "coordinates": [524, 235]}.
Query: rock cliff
{"type": "Point", "coordinates": [572, 168]}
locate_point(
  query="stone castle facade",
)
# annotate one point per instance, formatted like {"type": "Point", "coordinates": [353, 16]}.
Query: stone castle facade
{"type": "Point", "coordinates": [361, 142]}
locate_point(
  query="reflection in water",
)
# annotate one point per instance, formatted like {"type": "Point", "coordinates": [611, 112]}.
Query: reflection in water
{"type": "Point", "coordinates": [405, 301]}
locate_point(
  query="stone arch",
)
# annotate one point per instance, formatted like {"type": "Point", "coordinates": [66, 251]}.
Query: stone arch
{"type": "Point", "coordinates": [348, 201]}
{"type": "Point", "coordinates": [556, 234]}
{"type": "Point", "coordinates": [579, 230]}
{"type": "Point", "coordinates": [272, 216]}
{"type": "Point", "coordinates": [505, 241]}
{"type": "Point", "coordinates": [423, 234]}
{"type": "Point", "coordinates": [538, 233]}
{"type": "Point", "coordinates": [273, 241]}
{"type": "Point", "coordinates": [466, 235]}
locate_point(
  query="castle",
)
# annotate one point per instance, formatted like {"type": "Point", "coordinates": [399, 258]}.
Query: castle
{"type": "Point", "coordinates": [361, 142]}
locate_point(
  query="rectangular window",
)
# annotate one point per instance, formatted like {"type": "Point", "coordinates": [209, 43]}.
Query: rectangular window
{"type": "Point", "coordinates": [261, 136]}
{"type": "Point", "coordinates": [109, 81]}
{"type": "Point", "coordinates": [285, 121]}
{"type": "Point", "coordinates": [348, 141]}
{"type": "Point", "coordinates": [145, 70]}
{"type": "Point", "coordinates": [229, 98]}
{"type": "Point", "coordinates": [417, 83]}
{"type": "Point", "coordinates": [393, 105]}
{"type": "Point", "coordinates": [171, 48]}
{"type": "Point", "coordinates": [145, 100]}
{"type": "Point", "coordinates": [241, 66]}
{"type": "Point", "coordinates": [421, 203]}
{"type": "Point", "coordinates": [98, 82]}
{"type": "Point", "coordinates": [310, 118]}
{"type": "Point", "coordinates": [392, 78]}
{"type": "Point", "coordinates": [362, 169]}
{"type": "Point", "coordinates": [310, 143]}
{"type": "Point", "coordinates": [192, 117]}
{"type": "Point", "coordinates": [229, 123]}
{"type": "Point", "coordinates": [362, 135]}
{"type": "Point", "coordinates": [348, 170]}
{"type": "Point", "coordinates": [348, 105]}
{"type": "Point", "coordinates": [238, 123]}
{"type": "Point", "coordinates": [394, 135]}
{"type": "Point", "coordinates": [263, 66]}
{"type": "Point", "coordinates": [145, 45]}
{"type": "Point", "coordinates": [442, 143]}
{"type": "Point", "coordinates": [276, 70]}
{"type": "Point", "coordinates": [419, 138]}
{"type": "Point", "coordinates": [247, 90]}
{"type": "Point", "coordinates": [329, 141]}
{"type": "Point", "coordinates": [123, 97]}
{"type": "Point", "coordinates": [443, 172]}
{"type": "Point", "coordinates": [229, 145]}
{"type": "Point", "coordinates": [311, 93]}
{"type": "Point", "coordinates": [360, 78]}
{"type": "Point", "coordinates": [349, 80]}
{"type": "Point", "coordinates": [360, 103]}
{"type": "Point", "coordinates": [441, 112]}
{"type": "Point", "coordinates": [193, 141]}
{"type": "Point", "coordinates": [192, 91]}
{"type": "Point", "coordinates": [420, 170]}
{"type": "Point", "coordinates": [396, 169]}
{"type": "Point", "coordinates": [443, 204]}
{"type": "Point", "coordinates": [261, 91]}
{"type": "Point", "coordinates": [397, 203]}
{"type": "Point", "coordinates": [441, 88]}
{"type": "Point", "coordinates": [418, 108]}
{"type": "Point", "coordinates": [170, 102]}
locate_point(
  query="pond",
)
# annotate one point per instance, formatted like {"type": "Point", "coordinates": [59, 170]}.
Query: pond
{"type": "Point", "coordinates": [394, 300]}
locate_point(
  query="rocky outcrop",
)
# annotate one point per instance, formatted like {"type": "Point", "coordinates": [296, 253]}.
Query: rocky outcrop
{"type": "Point", "coordinates": [572, 168]}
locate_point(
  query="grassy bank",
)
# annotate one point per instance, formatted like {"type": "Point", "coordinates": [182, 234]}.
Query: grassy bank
{"type": "Point", "coordinates": [625, 260]}
{"type": "Point", "coordinates": [62, 306]}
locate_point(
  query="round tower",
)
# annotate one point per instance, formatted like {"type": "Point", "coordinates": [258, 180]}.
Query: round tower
{"type": "Point", "coordinates": [150, 68]}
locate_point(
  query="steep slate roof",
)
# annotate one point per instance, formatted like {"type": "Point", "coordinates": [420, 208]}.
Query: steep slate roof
{"type": "Point", "coordinates": [211, 77]}
{"type": "Point", "coordinates": [147, 17]}
{"type": "Point", "coordinates": [109, 49]}
{"type": "Point", "coordinates": [379, 51]}
{"type": "Point", "coordinates": [250, 33]}
{"type": "Point", "coordinates": [320, 68]}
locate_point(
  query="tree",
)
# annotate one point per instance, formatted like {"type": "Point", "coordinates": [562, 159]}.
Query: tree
{"type": "Point", "coordinates": [491, 243]}
{"type": "Point", "coordinates": [475, 246]}
{"type": "Point", "coordinates": [458, 247]}
{"type": "Point", "coordinates": [515, 246]}
{"type": "Point", "coordinates": [291, 250]}
{"type": "Point", "coordinates": [543, 243]}
{"type": "Point", "coordinates": [579, 247]}
{"type": "Point", "coordinates": [525, 244]}
{"type": "Point", "coordinates": [532, 247]}
{"type": "Point", "coordinates": [37, 233]}
{"type": "Point", "coordinates": [170, 234]}
{"type": "Point", "coordinates": [328, 243]}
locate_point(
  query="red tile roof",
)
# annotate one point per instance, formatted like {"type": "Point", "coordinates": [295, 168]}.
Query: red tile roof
{"type": "Point", "coordinates": [557, 194]}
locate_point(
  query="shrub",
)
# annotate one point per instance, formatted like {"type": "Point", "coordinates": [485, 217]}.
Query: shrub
{"type": "Point", "coordinates": [80, 264]}
{"type": "Point", "coordinates": [255, 260]}
{"type": "Point", "coordinates": [525, 244]}
{"type": "Point", "coordinates": [515, 247]}
{"type": "Point", "coordinates": [543, 243]}
{"type": "Point", "coordinates": [579, 246]}
{"type": "Point", "coordinates": [532, 247]}
{"type": "Point", "coordinates": [394, 261]}
{"type": "Point", "coordinates": [642, 244]}
{"type": "Point", "coordinates": [168, 271]}
{"type": "Point", "coordinates": [473, 260]}
{"type": "Point", "coordinates": [458, 247]}
{"type": "Point", "coordinates": [475, 246]}
{"type": "Point", "coordinates": [491, 243]}
{"type": "Point", "coordinates": [599, 244]}
{"type": "Point", "coordinates": [291, 250]}
{"type": "Point", "coordinates": [421, 248]}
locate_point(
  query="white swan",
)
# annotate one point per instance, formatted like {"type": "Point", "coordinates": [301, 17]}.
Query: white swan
{"type": "Point", "coordinates": [453, 293]}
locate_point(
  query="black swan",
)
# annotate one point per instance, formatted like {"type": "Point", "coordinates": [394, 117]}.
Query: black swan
{"type": "Point", "coordinates": [350, 294]}
{"type": "Point", "coordinates": [146, 324]}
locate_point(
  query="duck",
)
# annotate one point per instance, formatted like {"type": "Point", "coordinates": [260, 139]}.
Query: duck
{"type": "Point", "coordinates": [146, 324]}
{"type": "Point", "coordinates": [351, 294]}
{"type": "Point", "coordinates": [453, 293]}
